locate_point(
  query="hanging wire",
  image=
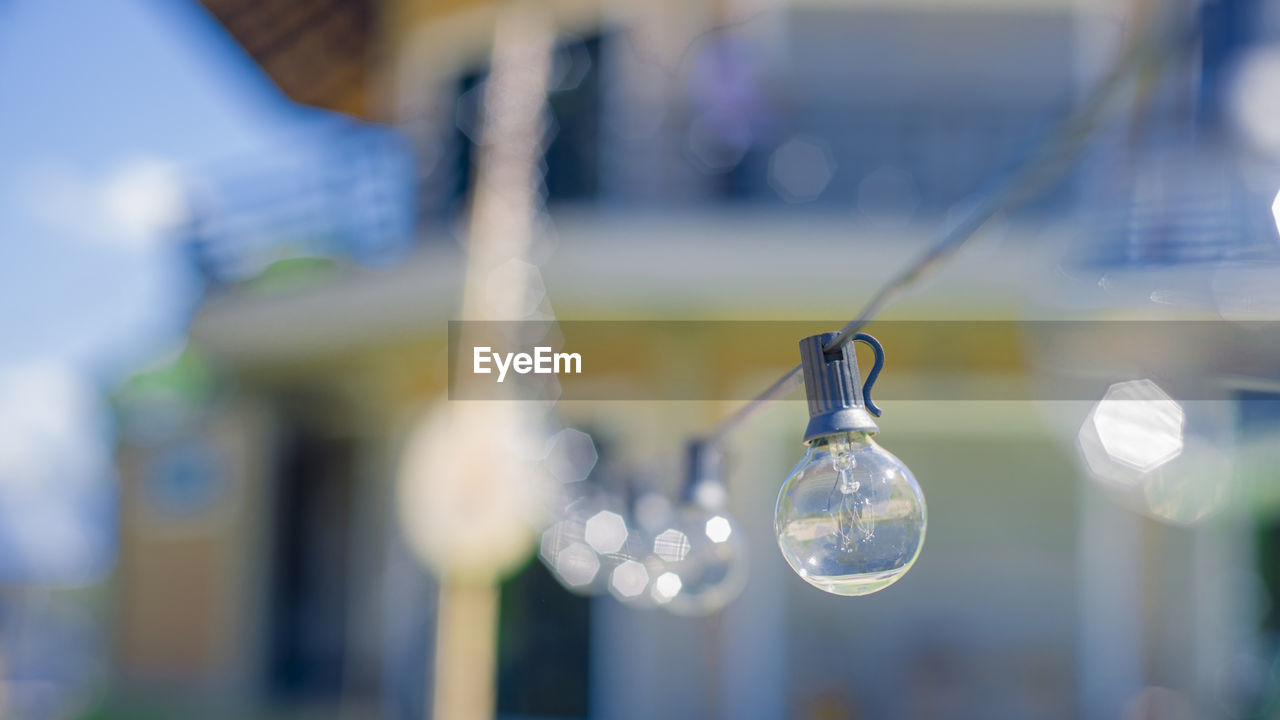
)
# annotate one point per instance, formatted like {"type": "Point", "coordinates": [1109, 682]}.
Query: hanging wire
{"type": "Point", "coordinates": [1005, 191]}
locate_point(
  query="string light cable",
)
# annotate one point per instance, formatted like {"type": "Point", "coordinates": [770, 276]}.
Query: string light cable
{"type": "Point", "coordinates": [1007, 190]}
{"type": "Point", "coordinates": [850, 518]}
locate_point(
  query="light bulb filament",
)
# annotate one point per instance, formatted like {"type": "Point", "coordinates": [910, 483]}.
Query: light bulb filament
{"type": "Point", "coordinates": [849, 501]}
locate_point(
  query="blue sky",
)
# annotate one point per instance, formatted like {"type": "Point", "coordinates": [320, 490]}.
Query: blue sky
{"type": "Point", "coordinates": [102, 101]}
{"type": "Point", "coordinates": [108, 108]}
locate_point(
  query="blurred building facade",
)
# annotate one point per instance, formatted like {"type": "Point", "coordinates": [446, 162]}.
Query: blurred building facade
{"type": "Point", "coordinates": [700, 156]}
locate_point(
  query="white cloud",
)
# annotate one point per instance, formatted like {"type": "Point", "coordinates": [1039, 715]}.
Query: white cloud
{"type": "Point", "coordinates": [145, 199]}
{"type": "Point", "coordinates": [51, 427]}
{"type": "Point", "coordinates": [56, 478]}
{"type": "Point", "coordinates": [137, 205]}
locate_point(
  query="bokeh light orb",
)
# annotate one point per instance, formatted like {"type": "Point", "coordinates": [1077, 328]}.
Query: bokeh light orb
{"type": "Point", "coordinates": [800, 169]}
{"type": "Point", "coordinates": [572, 456]}
{"type": "Point", "coordinates": [472, 493]}
{"type": "Point", "coordinates": [1135, 443]}
{"type": "Point", "coordinates": [1275, 211]}
{"type": "Point", "coordinates": [605, 532]}
{"type": "Point", "coordinates": [591, 525]}
{"type": "Point", "coordinates": [577, 565]}
{"type": "Point", "coordinates": [629, 580]}
{"type": "Point", "coordinates": [634, 580]}
{"type": "Point", "coordinates": [1139, 425]}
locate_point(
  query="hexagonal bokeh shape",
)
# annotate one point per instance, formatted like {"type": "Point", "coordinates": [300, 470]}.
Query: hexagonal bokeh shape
{"type": "Point", "coordinates": [800, 169]}
{"type": "Point", "coordinates": [606, 532]}
{"type": "Point", "coordinates": [554, 540]}
{"type": "Point", "coordinates": [1139, 425]}
{"type": "Point", "coordinates": [667, 586]}
{"type": "Point", "coordinates": [629, 579]}
{"type": "Point", "coordinates": [671, 545]}
{"type": "Point", "coordinates": [577, 564]}
{"type": "Point", "coordinates": [718, 528]}
{"type": "Point", "coordinates": [572, 457]}
{"type": "Point", "coordinates": [1275, 210]}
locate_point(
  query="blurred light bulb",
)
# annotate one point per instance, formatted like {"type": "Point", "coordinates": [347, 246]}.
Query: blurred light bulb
{"type": "Point", "coordinates": [850, 517]}
{"type": "Point", "coordinates": [704, 555]}
{"type": "Point", "coordinates": [709, 562]}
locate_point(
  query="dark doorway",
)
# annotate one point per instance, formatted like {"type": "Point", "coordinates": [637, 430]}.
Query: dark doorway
{"type": "Point", "coordinates": [310, 561]}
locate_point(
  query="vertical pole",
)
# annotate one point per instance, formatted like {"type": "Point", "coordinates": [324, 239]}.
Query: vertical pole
{"type": "Point", "coordinates": [466, 651]}
{"type": "Point", "coordinates": [504, 203]}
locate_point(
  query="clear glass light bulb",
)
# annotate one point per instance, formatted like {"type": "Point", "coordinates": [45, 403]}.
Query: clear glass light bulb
{"type": "Point", "coordinates": [850, 517]}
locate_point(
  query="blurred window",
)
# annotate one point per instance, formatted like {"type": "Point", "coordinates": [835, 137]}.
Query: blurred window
{"type": "Point", "coordinates": [571, 139]}
{"type": "Point", "coordinates": [310, 573]}
{"type": "Point", "coordinates": [543, 648]}
{"type": "Point", "coordinates": [572, 157]}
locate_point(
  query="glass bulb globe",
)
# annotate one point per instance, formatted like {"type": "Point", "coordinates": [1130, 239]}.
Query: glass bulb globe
{"type": "Point", "coordinates": [850, 517]}
{"type": "Point", "coordinates": [704, 558]}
